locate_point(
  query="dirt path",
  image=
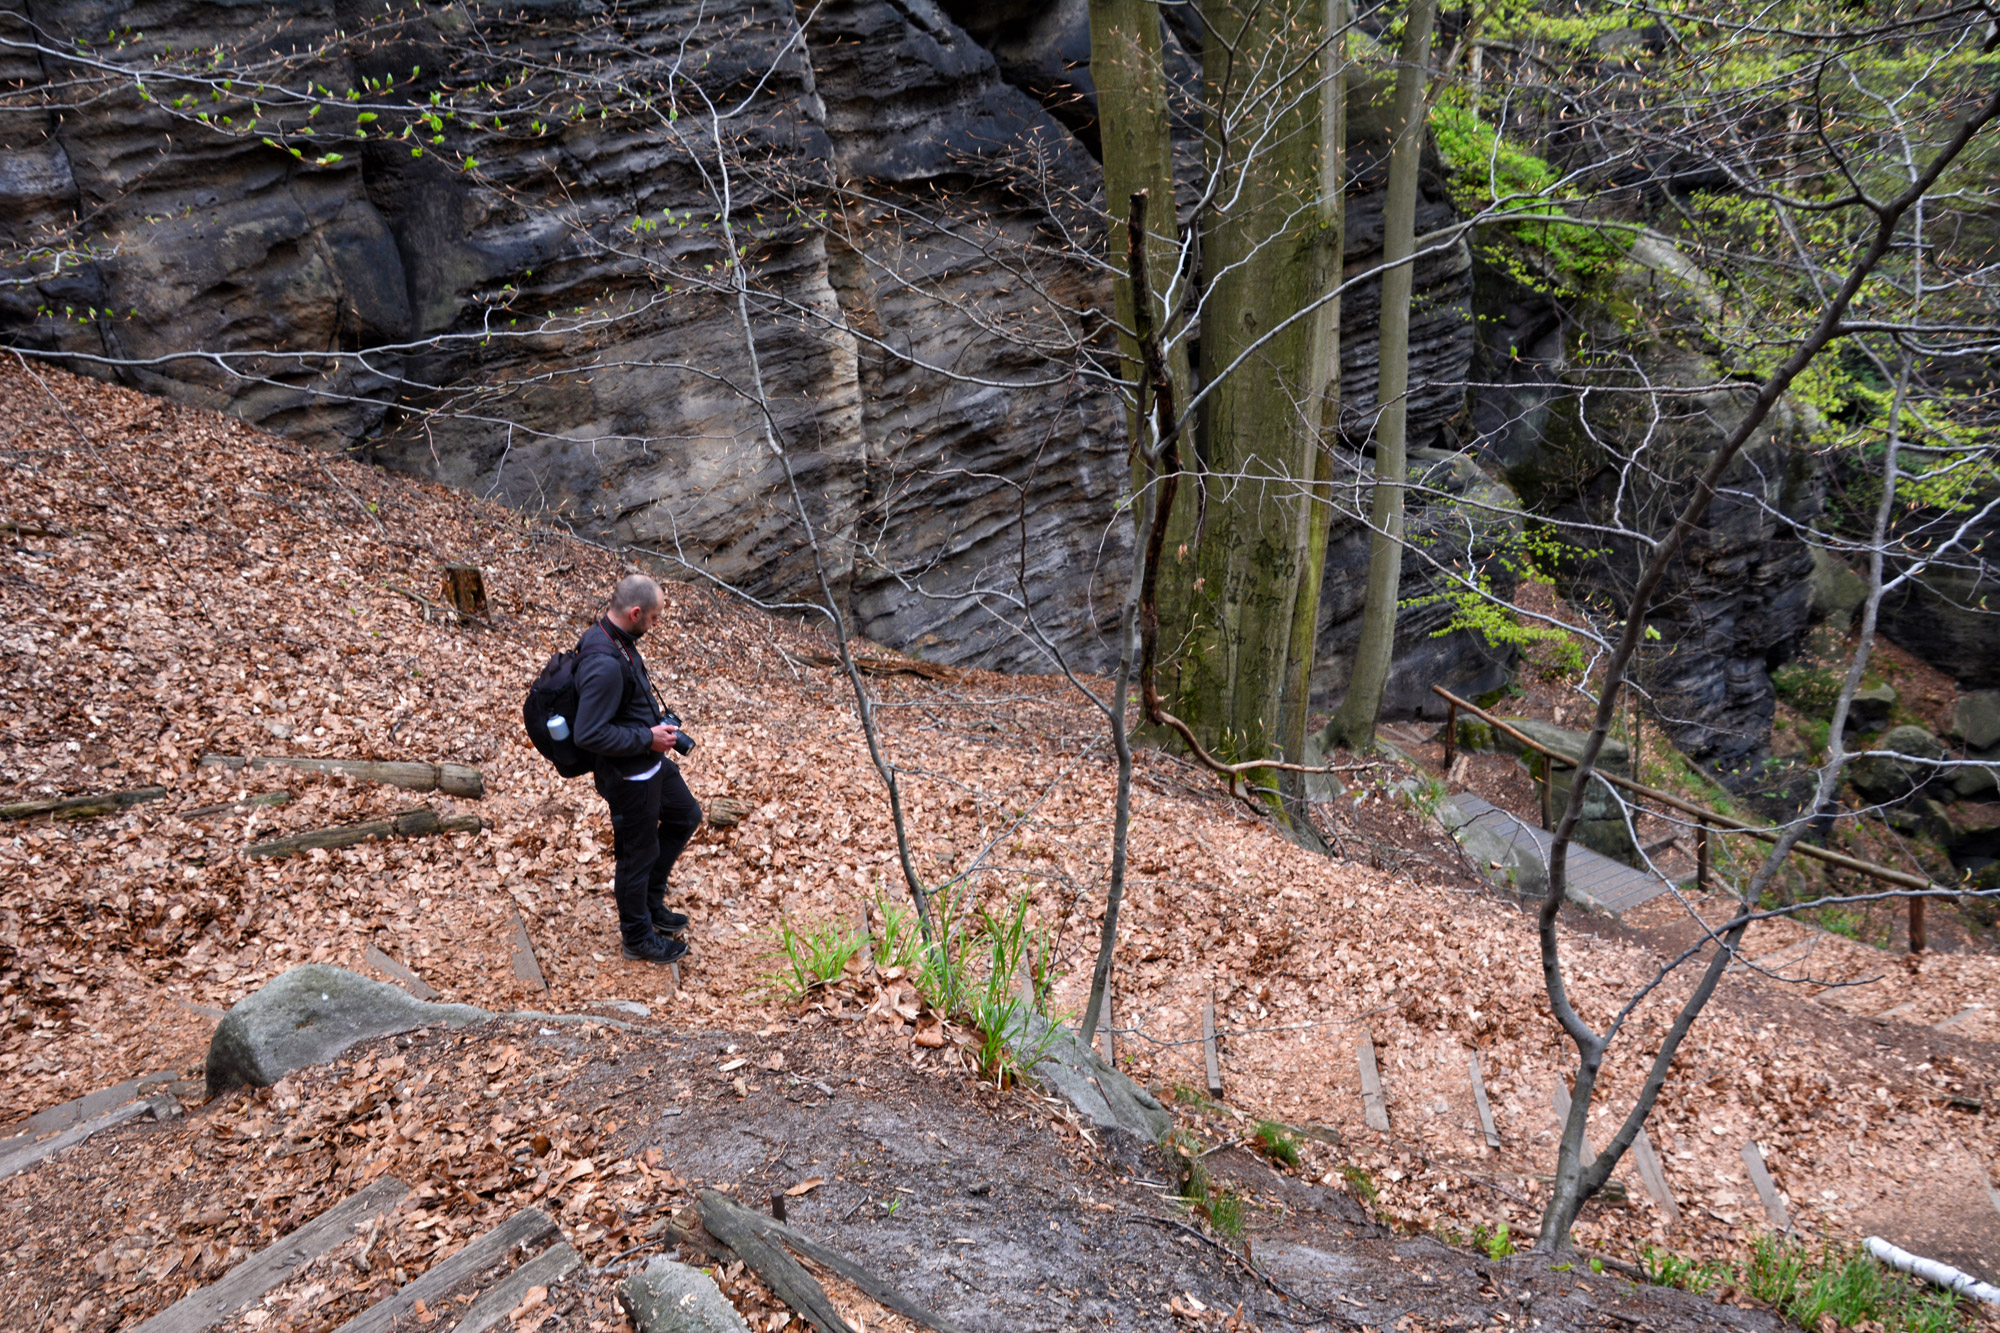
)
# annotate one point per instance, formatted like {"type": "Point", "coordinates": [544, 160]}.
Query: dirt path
{"type": "Point", "coordinates": [988, 1206]}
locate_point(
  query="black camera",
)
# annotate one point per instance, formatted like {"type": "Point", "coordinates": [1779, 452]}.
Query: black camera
{"type": "Point", "coordinates": [683, 743]}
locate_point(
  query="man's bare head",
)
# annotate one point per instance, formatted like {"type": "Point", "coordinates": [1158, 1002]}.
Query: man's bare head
{"type": "Point", "coordinates": [635, 604]}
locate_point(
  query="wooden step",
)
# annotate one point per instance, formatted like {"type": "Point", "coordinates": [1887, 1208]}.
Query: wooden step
{"type": "Point", "coordinates": [529, 1227]}
{"type": "Point", "coordinates": [275, 1263]}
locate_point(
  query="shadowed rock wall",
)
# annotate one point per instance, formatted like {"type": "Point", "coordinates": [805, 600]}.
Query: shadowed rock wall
{"type": "Point", "coordinates": [941, 466]}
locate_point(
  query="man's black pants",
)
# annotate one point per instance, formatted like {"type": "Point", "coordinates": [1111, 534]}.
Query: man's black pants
{"type": "Point", "coordinates": [651, 821]}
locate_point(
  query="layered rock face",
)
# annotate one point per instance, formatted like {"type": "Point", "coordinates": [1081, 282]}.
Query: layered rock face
{"type": "Point", "coordinates": [907, 394]}
{"type": "Point", "coordinates": [558, 327]}
{"type": "Point", "coordinates": [1620, 448]}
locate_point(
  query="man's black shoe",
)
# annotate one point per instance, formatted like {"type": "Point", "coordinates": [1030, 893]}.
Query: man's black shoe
{"type": "Point", "coordinates": [668, 923]}
{"type": "Point", "coordinates": [656, 950]}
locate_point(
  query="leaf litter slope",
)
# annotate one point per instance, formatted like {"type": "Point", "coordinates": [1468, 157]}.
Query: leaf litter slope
{"type": "Point", "coordinates": [212, 589]}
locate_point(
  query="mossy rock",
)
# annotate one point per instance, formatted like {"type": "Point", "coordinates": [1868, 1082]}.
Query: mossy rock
{"type": "Point", "coordinates": [1475, 735]}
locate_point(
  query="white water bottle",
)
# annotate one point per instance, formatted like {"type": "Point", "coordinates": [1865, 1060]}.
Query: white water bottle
{"type": "Point", "coordinates": [559, 727]}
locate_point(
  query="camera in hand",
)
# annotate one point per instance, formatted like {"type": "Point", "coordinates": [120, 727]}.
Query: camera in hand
{"type": "Point", "coordinates": [683, 743]}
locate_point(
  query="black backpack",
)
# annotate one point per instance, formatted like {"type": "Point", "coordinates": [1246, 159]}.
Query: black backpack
{"type": "Point", "coordinates": [554, 695]}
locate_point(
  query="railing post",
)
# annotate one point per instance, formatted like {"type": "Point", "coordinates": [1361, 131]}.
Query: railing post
{"type": "Point", "coordinates": [1701, 855]}
{"type": "Point", "coordinates": [1450, 733]}
{"type": "Point", "coordinates": [1918, 936]}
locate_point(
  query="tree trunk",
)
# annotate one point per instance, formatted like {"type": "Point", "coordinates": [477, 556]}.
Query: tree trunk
{"type": "Point", "coordinates": [1304, 648]}
{"type": "Point", "coordinates": [465, 591]}
{"type": "Point", "coordinates": [1354, 725]}
{"type": "Point", "coordinates": [1269, 247]}
{"type": "Point", "coordinates": [1126, 64]}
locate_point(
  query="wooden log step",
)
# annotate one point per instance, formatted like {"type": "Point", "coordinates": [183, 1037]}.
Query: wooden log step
{"type": "Point", "coordinates": [526, 966]}
{"type": "Point", "coordinates": [745, 1232]}
{"type": "Point", "coordinates": [28, 1154]}
{"type": "Point", "coordinates": [734, 1218]}
{"type": "Point", "coordinates": [1374, 1109]}
{"type": "Point", "coordinates": [1211, 1056]}
{"type": "Point", "coordinates": [208, 1306]}
{"type": "Point", "coordinates": [1767, 1189]}
{"type": "Point", "coordinates": [388, 966]}
{"type": "Point", "coordinates": [409, 774]}
{"type": "Point", "coordinates": [91, 1105]}
{"type": "Point", "coordinates": [1654, 1177]}
{"type": "Point", "coordinates": [1479, 1102]}
{"type": "Point", "coordinates": [498, 1301]}
{"type": "Point", "coordinates": [419, 823]}
{"type": "Point", "coordinates": [529, 1227]}
{"type": "Point", "coordinates": [83, 807]}
{"type": "Point", "coordinates": [262, 798]}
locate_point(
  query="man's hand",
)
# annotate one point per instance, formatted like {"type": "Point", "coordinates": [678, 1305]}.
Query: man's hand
{"type": "Point", "coordinates": [664, 737]}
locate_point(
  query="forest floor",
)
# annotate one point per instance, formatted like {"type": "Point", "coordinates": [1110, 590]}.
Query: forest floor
{"type": "Point", "coordinates": [178, 584]}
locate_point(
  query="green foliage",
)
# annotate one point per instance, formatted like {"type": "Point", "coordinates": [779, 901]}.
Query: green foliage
{"type": "Point", "coordinates": [1837, 1282]}
{"type": "Point", "coordinates": [1276, 1142]}
{"type": "Point", "coordinates": [1359, 1184]}
{"type": "Point", "coordinates": [1199, 1192]}
{"type": "Point", "coordinates": [901, 939]}
{"type": "Point", "coordinates": [971, 974]}
{"type": "Point", "coordinates": [1498, 1243]}
{"type": "Point", "coordinates": [1536, 550]}
{"type": "Point", "coordinates": [810, 958]}
{"type": "Point", "coordinates": [1536, 237]}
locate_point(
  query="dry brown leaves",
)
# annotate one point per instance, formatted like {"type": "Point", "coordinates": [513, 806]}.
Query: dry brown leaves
{"type": "Point", "coordinates": [220, 591]}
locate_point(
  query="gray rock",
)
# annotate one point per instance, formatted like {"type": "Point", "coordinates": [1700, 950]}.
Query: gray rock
{"type": "Point", "coordinates": [1975, 719]}
{"type": "Point", "coordinates": [1459, 510]}
{"type": "Point", "coordinates": [1973, 784]}
{"type": "Point", "coordinates": [1871, 705]}
{"type": "Point", "coordinates": [1741, 595]}
{"type": "Point", "coordinates": [1837, 591]}
{"type": "Point", "coordinates": [1884, 779]}
{"type": "Point", "coordinates": [670, 1297]}
{"type": "Point", "coordinates": [631, 1007]}
{"type": "Point", "coordinates": [309, 1015]}
{"type": "Point", "coordinates": [1949, 615]}
{"type": "Point", "coordinates": [1512, 863]}
{"type": "Point", "coordinates": [1603, 828]}
{"type": "Point", "coordinates": [1114, 1103]}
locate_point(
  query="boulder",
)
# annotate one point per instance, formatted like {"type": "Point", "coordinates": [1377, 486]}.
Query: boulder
{"type": "Point", "coordinates": [1975, 718]}
{"type": "Point", "coordinates": [1883, 779]}
{"type": "Point", "coordinates": [1837, 591]}
{"type": "Point", "coordinates": [1871, 706]}
{"type": "Point", "coordinates": [1977, 784]}
{"type": "Point", "coordinates": [309, 1015]}
{"type": "Point", "coordinates": [670, 1297]}
{"type": "Point", "coordinates": [1114, 1103]}
{"type": "Point", "coordinates": [1603, 828]}
{"type": "Point", "coordinates": [1512, 863]}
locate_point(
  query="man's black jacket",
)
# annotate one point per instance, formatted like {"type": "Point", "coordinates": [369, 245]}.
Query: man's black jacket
{"type": "Point", "coordinates": [615, 713]}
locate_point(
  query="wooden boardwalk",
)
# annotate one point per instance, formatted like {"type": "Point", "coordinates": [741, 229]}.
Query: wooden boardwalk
{"type": "Point", "coordinates": [1594, 879]}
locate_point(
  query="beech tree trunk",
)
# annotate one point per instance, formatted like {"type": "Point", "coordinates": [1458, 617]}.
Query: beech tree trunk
{"type": "Point", "coordinates": [1354, 725]}
{"type": "Point", "coordinates": [1232, 596]}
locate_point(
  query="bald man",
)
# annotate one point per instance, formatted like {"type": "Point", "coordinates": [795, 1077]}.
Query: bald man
{"type": "Point", "coordinates": [619, 720]}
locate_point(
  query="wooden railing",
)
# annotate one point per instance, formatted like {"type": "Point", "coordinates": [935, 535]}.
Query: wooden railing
{"type": "Point", "coordinates": [1705, 819]}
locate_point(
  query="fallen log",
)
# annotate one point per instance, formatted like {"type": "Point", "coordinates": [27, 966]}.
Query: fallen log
{"type": "Point", "coordinates": [82, 807]}
{"type": "Point", "coordinates": [730, 1222]}
{"type": "Point", "coordinates": [741, 1230]}
{"type": "Point", "coordinates": [265, 798]}
{"type": "Point", "coordinates": [409, 774]}
{"type": "Point", "coordinates": [419, 823]}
